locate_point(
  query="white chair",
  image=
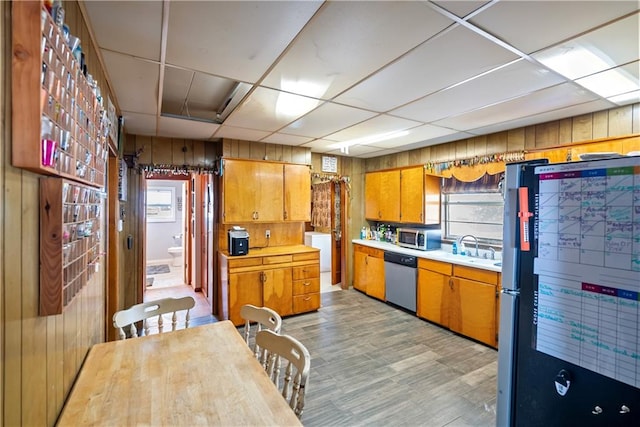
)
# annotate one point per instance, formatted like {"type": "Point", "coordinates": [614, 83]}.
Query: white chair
{"type": "Point", "coordinates": [263, 317]}
{"type": "Point", "coordinates": [294, 382]}
{"type": "Point", "coordinates": [148, 310]}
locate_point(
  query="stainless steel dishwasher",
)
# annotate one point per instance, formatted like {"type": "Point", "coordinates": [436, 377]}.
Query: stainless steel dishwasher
{"type": "Point", "coordinates": [400, 276]}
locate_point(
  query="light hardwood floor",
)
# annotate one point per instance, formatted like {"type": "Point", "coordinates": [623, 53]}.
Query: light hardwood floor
{"type": "Point", "coordinates": [372, 364]}
{"type": "Point", "coordinates": [375, 365]}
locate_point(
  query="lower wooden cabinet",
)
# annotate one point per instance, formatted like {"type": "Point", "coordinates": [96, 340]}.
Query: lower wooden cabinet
{"type": "Point", "coordinates": [368, 268]}
{"type": "Point", "coordinates": [460, 298]}
{"type": "Point", "coordinates": [306, 282]}
{"type": "Point", "coordinates": [289, 283]}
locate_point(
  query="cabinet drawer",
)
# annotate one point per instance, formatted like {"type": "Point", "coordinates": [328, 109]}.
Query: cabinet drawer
{"type": "Point", "coordinates": [244, 262]}
{"type": "Point", "coordinates": [437, 266]}
{"type": "Point", "coordinates": [306, 271]}
{"type": "Point", "coordinates": [306, 286]}
{"type": "Point", "coordinates": [309, 302]}
{"type": "Point", "coordinates": [477, 274]}
{"type": "Point", "coordinates": [277, 259]}
{"type": "Point", "coordinates": [378, 253]}
{"type": "Point", "coordinates": [307, 256]}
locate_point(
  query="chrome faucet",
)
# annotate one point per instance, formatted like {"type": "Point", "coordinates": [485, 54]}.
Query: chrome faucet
{"type": "Point", "coordinates": [493, 252]}
{"type": "Point", "coordinates": [477, 254]}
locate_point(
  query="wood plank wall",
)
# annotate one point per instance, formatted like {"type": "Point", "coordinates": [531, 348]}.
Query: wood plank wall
{"type": "Point", "coordinates": [40, 356]}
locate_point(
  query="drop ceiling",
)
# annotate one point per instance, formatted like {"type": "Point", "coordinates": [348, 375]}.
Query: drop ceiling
{"type": "Point", "coordinates": [379, 77]}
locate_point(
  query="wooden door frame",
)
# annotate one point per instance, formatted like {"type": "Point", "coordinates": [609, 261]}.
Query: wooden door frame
{"type": "Point", "coordinates": [344, 268]}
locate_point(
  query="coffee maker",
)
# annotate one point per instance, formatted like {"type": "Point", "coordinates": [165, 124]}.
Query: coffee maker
{"type": "Point", "coordinates": [238, 241]}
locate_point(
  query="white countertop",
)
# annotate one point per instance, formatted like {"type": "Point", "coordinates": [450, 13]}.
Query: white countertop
{"type": "Point", "coordinates": [437, 255]}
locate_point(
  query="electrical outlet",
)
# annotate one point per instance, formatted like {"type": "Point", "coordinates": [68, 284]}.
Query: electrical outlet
{"type": "Point", "coordinates": [267, 234]}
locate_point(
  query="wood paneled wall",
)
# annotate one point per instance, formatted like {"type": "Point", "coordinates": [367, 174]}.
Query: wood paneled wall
{"type": "Point", "coordinates": [40, 356]}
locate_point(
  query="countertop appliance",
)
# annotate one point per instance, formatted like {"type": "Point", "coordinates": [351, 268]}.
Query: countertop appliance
{"type": "Point", "coordinates": [238, 241]}
{"type": "Point", "coordinates": [417, 238]}
{"type": "Point", "coordinates": [569, 309]}
{"type": "Point", "coordinates": [400, 276]}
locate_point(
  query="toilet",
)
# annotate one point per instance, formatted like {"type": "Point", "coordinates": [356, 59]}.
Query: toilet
{"type": "Point", "coordinates": [176, 254]}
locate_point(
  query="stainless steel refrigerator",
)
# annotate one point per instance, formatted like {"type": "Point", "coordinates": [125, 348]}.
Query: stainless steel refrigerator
{"type": "Point", "coordinates": [569, 340]}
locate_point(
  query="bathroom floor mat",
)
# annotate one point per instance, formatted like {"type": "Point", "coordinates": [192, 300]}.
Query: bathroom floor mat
{"type": "Point", "coordinates": [158, 269]}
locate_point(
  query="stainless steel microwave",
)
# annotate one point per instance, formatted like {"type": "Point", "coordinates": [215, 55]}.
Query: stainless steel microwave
{"type": "Point", "coordinates": [415, 238]}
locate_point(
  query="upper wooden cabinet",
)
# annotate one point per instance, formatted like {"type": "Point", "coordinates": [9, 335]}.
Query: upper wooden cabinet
{"type": "Point", "coordinates": [407, 195]}
{"type": "Point", "coordinates": [382, 196]}
{"type": "Point", "coordinates": [297, 193]}
{"type": "Point", "coordinates": [257, 191]}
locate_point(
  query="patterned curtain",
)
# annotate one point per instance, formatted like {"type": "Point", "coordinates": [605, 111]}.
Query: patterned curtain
{"type": "Point", "coordinates": [321, 213]}
{"type": "Point", "coordinates": [485, 184]}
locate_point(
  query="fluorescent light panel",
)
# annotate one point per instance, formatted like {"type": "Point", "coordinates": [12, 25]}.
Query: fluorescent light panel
{"type": "Point", "coordinates": [592, 70]}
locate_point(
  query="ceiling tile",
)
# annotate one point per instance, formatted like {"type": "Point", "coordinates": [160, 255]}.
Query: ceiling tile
{"type": "Point", "coordinates": [131, 27]}
{"type": "Point", "coordinates": [139, 124]}
{"type": "Point", "coordinates": [532, 25]}
{"type": "Point", "coordinates": [547, 116]}
{"type": "Point", "coordinates": [415, 135]}
{"type": "Point", "coordinates": [348, 40]}
{"type": "Point", "coordinates": [235, 39]}
{"type": "Point", "coordinates": [377, 125]}
{"type": "Point", "coordinates": [269, 110]}
{"type": "Point", "coordinates": [281, 138]}
{"type": "Point", "coordinates": [516, 79]}
{"type": "Point", "coordinates": [461, 54]}
{"type": "Point", "coordinates": [231, 132]}
{"type": "Point", "coordinates": [135, 82]}
{"type": "Point", "coordinates": [550, 99]}
{"type": "Point", "coordinates": [319, 145]}
{"type": "Point", "coordinates": [326, 119]}
{"type": "Point", "coordinates": [188, 129]}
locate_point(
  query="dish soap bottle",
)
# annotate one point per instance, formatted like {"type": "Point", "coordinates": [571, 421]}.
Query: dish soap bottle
{"type": "Point", "coordinates": [363, 233]}
{"type": "Point", "coordinates": [454, 248]}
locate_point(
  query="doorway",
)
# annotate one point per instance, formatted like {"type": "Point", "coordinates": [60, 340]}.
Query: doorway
{"type": "Point", "coordinates": [177, 230]}
{"type": "Point", "coordinates": [328, 222]}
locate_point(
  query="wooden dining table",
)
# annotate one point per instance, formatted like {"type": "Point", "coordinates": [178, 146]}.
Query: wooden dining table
{"type": "Point", "coordinates": [204, 375]}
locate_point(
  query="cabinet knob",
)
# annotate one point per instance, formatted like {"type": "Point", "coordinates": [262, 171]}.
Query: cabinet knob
{"type": "Point", "coordinates": [306, 284]}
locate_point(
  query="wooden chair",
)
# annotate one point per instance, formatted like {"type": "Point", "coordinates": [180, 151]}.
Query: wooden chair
{"type": "Point", "coordinates": [278, 347]}
{"type": "Point", "coordinates": [263, 317]}
{"type": "Point", "coordinates": [150, 310]}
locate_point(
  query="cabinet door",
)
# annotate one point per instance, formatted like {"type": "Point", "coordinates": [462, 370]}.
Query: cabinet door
{"type": "Point", "coordinates": [473, 310]}
{"type": "Point", "coordinates": [382, 193]}
{"type": "Point", "coordinates": [268, 181]}
{"type": "Point", "coordinates": [412, 195]}
{"type": "Point", "coordinates": [244, 288]}
{"type": "Point", "coordinates": [390, 196]}
{"type": "Point", "coordinates": [371, 196]}
{"type": "Point", "coordinates": [375, 277]}
{"type": "Point", "coordinates": [434, 291]}
{"type": "Point", "coordinates": [432, 198]}
{"type": "Point", "coordinates": [252, 191]}
{"type": "Point", "coordinates": [278, 290]}
{"type": "Point", "coordinates": [297, 193]}
{"type": "Point", "coordinates": [359, 269]}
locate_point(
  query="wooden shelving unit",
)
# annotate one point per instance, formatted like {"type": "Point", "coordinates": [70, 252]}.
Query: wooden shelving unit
{"type": "Point", "coordinates": [57, 115]}
{"type": "Point", "coordinates": [70, 238]}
